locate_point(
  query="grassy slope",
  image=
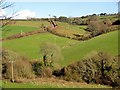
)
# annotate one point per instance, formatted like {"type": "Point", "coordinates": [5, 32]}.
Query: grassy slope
{"type": "Point", "coordinates": [11, 30]}
{"type": "Point", "coordinates": [25, 26]}
{"type": "Point", "coordinates": [68, 30]}
{"type": "Point", "coordinates": [107, 42]}
{"type": "Point", "coordinates": [30, 46]}
{"type": "Point", "coordinates": [75, 28]}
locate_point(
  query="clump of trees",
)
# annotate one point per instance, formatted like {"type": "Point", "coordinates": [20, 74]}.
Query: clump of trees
{"type": "Point", "coordinates": [51, 54]}
{"type": "Point", "coordinates": [72, 20]}
{"type": "Point", "coordinates": [97, 26]}
{"type": "Point", "coordinates": [99, 67]}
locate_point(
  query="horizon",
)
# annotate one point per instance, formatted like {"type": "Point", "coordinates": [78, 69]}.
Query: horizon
{"type": "Point", "coordinates": [67, 9]}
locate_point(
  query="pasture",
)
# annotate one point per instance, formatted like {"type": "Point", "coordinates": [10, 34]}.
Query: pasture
{"type": "Point", "coordinates": [30, 46]}
{"type": "Point", "coordinates": [12, 30]}
{"type": "Point", "coordinates": [107, 43]}
{"type": "Point", "coordinates": [72, 50]}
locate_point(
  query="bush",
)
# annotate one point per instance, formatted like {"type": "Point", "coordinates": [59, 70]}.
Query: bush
{"type": "Point", "coordinates": [99, 67]}
{"type": "Point", "coordinates": [21, 66]}
{"type": "Point", "coordinates": [97, 27]}
{"type": "Point", "coordinates": [40, 70]}
{"type": "Point", "coordinates": [51, 54]}
{"type": "Point", "coordinates": [37, 66]}
{"type": "Point", "coordinates": [46, 72]}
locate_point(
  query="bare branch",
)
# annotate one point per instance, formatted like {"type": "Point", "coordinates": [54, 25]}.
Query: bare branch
{"type": "Point", "coordinates": [4, 5]}
{"type": "Point", "coordinates": [5, 20]}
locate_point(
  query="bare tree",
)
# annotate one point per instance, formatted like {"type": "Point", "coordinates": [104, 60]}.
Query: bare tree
{"type": "Point", "coordinates": [5, 20]}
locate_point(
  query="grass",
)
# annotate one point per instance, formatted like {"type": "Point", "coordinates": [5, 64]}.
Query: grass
{"type": "Point", "coordinates": [31, 23]}
{"type": "Point", "coordinates": [11, 30]}
{"type": "Point", "coordinates": [30, 46]}
{"type": "Point", "coordinates": [113, 17]}
{"type": "Point", "coordinates": [49, 83]}
{"type": "Point", "coordinates": [69, 30]}
{"type": "Point", "coordinates": [79, 29]}
{"type": "Point", "coordinates": [107, 43]}
{"type": "Point", "coordinates": [71, 50]}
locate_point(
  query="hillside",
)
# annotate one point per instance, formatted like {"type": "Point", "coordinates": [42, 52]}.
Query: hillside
{"type": "Point", "coordinates": [107, 43]}
{"type": "Point", "coordinates": [34, 35]}
{"type": "Point", "coordinates": [71, 49]}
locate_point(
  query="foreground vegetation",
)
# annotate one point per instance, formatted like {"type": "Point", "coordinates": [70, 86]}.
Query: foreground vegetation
{"type": "Point", "coordinates": [50, 83]}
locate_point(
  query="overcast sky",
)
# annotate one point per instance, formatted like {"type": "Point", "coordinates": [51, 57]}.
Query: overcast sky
{"type": "Point", "coordinates": [73, 9]}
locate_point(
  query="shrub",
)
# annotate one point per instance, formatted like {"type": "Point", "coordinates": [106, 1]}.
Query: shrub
{"type": "Point", "coordinates": [37, 66]}
{"type": "Point", "coordinates": [99, 67]}
{"type": "Point", "coordinates": [46, 72]}
{"type": "Point", "coordinates": [51, 54]}
{"type": "Point", "coordinates": [40, 70]}
{"type": "Point", "coordinates": [97, 27]}
{"type": "Point", "coordinates": [21, 66]}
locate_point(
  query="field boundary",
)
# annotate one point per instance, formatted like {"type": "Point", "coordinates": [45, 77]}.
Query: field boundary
{"type": "Point", "coordinates": [21, 35]}
{"type": "Point", "coordinates": [77, 36]}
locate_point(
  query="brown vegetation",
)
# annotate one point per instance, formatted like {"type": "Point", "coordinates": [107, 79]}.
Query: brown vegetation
{"type": "Point", "coordinates": [21, 67]}
{"type": "Point", "coordinates": [100, 68]}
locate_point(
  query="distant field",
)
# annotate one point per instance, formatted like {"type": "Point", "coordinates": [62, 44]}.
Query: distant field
{"type": "Point", "coordinates": [79, 29]}
{"type": "Point", "coordinates": [11, 30]}
{"type": "Point", "coordinates": [31, 23]}
{"type": "Point", "coordinates": [22, 26]}
{"type": "Point", "coordinates": [65, 27]}
{"type": "Point", "coordinates": [113, 18]}
{"type": "Point", "coordinates": [69, 30]}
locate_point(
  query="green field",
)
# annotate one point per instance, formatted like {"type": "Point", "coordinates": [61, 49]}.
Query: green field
{"type": "Point", "coordinates": [30, 46]}
{"type": "Point", "coordinates": [11, 30]}
{"type": "Point", "coordinates": [71, 50]}
{"type": "Point", "coordinates": [27, 26]}
{"type": "Point", "coordinates": [107, 43]}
